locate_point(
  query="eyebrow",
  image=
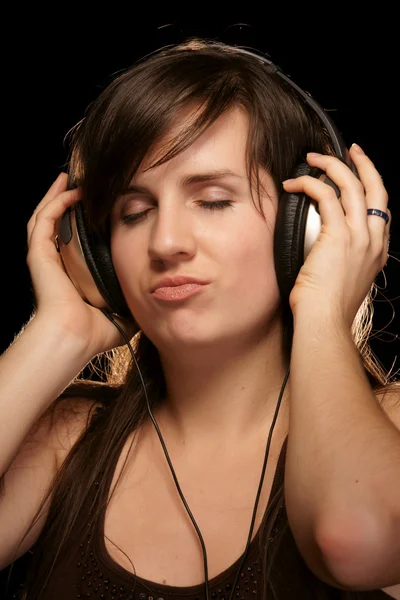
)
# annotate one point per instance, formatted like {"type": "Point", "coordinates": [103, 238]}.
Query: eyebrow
{"type": "Point", "coordinates": [188, 180]}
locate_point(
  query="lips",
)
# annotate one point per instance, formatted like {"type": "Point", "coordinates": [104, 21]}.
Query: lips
{"type": "Point", "coordinates": [177, 280]}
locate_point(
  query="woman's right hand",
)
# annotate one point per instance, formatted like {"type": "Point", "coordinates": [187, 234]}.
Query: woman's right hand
{"type": "Point", "coordinates": [57, 299]}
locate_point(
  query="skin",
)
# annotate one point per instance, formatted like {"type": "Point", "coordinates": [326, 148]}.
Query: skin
{"type": "Point", "coordinates": [221, 350]}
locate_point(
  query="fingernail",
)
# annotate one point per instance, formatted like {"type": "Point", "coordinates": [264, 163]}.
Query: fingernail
{"type": "Point", "coordinates": [287, 181]}
{"type": "Point", "coordinates": [357, 148]}
{"type": "Point", "coordinates": [313, 154]}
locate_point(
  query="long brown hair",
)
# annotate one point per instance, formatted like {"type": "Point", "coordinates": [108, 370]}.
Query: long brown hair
{"type": "Point", "coordinates": [120, 128]}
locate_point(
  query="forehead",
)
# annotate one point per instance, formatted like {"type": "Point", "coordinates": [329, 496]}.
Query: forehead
{"type": "Point", "coordinates": [221, 145]}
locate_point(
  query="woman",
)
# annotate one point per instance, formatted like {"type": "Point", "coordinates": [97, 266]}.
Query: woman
{"type": "Point", "coordinates": [151, 162]}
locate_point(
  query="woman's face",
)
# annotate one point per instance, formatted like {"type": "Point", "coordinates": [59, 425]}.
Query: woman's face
{"type": "Point", "coordinates": [231, 248]}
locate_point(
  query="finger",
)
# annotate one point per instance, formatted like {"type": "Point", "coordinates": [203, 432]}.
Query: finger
{"type": "Point", "coordinates": [56, 188]}
{"type": "Point", "coordinates": [329, 206]}
{"type": "Point", "coordinates": [43, 226]}
{"type": "Point", "coordinates": [376, 193]}
{"type": "Point", "coordinates": [386, 245]}
{"type": "Point", "coordinates": [352, 191]}
{"type": "Point", "coordinates": [376, 196]}
{"type": "Point", "coordinates": [379, 242]}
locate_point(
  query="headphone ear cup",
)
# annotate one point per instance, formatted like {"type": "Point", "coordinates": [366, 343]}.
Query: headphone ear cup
{"type": "Point", "coordinates": [99, 262]}
{"type": "Point", "coordinates": [297, 227]}
{"type": "Point", "coordinates": [87, 261]}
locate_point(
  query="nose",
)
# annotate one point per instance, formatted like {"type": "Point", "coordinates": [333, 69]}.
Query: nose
{"type": "Point", "coordinates": [172, 234]}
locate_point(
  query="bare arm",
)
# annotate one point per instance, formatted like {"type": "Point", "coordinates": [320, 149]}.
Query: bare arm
{"type": "Point", "coordinates": [65, 333]}
{"type": "Point", "coordinates": [34, 370]}
{"type": "Point", "coordinates": [343, 462]}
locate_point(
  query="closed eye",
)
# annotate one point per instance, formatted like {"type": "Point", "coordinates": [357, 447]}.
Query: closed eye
{"type": "Point", "coordinates": [217, 205]}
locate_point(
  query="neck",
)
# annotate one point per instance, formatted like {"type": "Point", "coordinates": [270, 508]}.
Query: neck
{"type": "Point", "coordinates": [219, 396]}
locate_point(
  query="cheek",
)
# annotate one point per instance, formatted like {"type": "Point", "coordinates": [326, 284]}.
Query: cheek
{"type": "Point", "coordinates": [126, 270]}
{"type": "Point", "coordinates": [252, 253]}
{"type": "Point", "coordinates": [251, 269]}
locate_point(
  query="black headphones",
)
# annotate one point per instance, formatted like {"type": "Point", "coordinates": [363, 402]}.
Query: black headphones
{"type": "Point", "coordinates": [87, 260]}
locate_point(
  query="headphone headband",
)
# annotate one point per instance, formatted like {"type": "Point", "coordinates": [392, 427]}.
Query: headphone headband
{"type": "Point", "coordinates": [337, 139]}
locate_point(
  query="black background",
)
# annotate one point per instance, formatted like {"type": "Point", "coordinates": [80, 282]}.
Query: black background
{"type": "Point", "coordinates": [56, 64]}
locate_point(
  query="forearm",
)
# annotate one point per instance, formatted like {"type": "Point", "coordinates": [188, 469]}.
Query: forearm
{"type": "Point", "coordinates": [343, 455]}
{"type": "Point", "coordinates": [34, 370]}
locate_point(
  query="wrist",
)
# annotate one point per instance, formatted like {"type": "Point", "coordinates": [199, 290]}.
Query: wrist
{"type": "Point", "coordinates": [58, 338]}
{"type": "Point", "coordinates": [318, 323]}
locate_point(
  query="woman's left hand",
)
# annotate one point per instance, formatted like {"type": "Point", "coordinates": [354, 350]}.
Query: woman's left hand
{"type": "Point", "coordinates": [352, 247]}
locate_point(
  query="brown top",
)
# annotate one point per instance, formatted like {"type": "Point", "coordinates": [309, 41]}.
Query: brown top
{"type": "Point", "coordinates": [92, 573]}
